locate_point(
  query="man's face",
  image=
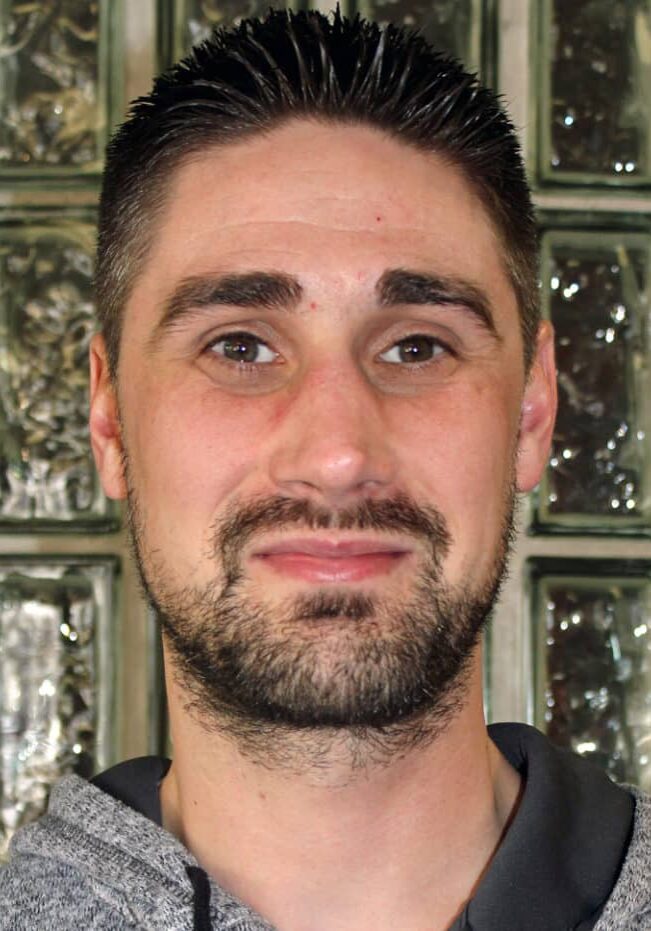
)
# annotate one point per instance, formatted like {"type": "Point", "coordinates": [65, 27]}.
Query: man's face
{"type": "Point", "coordinates": [323, 404]}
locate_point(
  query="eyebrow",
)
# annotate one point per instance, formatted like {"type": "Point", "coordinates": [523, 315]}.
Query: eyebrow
{"type": "Point", "coordinates": [280, 291]}
{"type": "Point", "coordinates": [266, 290]}
{"type": "Point", "coordinates": [401, 286]}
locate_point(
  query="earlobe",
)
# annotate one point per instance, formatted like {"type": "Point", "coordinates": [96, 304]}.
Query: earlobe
{"type": "Point", "coordinates": [538, 412]}
{"type": "Point", "coordinates": [105, 432]}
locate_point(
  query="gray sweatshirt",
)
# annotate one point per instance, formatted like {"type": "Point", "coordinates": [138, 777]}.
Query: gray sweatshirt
{"type": "Point", "coordinates": [94, 863]}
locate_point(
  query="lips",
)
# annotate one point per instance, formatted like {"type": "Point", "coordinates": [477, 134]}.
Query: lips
{"type": "Point", "coordinates": [320, 560]}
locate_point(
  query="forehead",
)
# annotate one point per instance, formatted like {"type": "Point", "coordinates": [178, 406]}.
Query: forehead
{"type": "Point", "coordinates": [332, 204]}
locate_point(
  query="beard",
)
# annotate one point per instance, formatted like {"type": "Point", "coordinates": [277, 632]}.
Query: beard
{"type": "Point", "coordinates": [297, 681]}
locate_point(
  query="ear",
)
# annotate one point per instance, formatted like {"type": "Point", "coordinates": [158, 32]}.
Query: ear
{"type": "Point", "coordinates": [105, 433]}
{"type": "Point", "coordinates": [538, 412]}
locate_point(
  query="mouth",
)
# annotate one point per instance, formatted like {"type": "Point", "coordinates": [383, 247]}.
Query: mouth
{"type": "Point", "coordinates": [320, 560]}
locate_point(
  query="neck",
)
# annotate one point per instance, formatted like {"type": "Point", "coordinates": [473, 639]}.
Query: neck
{"type": "Point", "coordinates": [402, 844]}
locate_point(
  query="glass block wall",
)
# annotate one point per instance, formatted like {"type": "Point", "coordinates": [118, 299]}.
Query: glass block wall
{"type": "Point", "coordinates": [595, 291]}
{"type": "Point", "coordinates": [60, 555]}
{"type": "Point", "coordinates": [586, 559]}
{"type": "Point", "coordinates": [592, 672]}
{"type": "Point", "coordinates": [57, 627]}
{"type": "Point", "coordinates": [569, 647]}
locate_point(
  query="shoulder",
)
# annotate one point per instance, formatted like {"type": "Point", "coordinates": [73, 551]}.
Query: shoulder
{"type": "Point", "coordinates": [629, 905]}
{"type": "Point", "coordinates": [46, 894]}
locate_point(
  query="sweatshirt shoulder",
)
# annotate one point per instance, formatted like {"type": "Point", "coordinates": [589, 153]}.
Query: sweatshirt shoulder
{"type": "Point", "coordinates": [46, 894]}
{"type": "Point", "coordinates": [629, 906]}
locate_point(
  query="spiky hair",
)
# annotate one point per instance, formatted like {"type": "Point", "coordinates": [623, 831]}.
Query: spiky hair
{"type": "Point", "coordinates": [265, 72]}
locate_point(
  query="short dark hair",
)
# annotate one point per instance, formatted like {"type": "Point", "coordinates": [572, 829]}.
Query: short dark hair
{"type": "Point", "coordinates": [263, 73]}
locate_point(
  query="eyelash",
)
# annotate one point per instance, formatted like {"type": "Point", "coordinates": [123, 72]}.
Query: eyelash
{"type": "Point", "coordinates": [257, 368]}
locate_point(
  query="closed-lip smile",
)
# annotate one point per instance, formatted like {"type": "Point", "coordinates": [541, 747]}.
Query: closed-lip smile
{"type": "Point", "coordinates": [331, 560]}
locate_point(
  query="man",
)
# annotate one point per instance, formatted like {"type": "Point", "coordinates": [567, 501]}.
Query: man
{"type": "Point", "coordinates": [321, 380]}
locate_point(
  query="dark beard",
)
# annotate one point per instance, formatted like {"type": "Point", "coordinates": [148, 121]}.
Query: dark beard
{"type": "Point", "coordinates": [384, 675]}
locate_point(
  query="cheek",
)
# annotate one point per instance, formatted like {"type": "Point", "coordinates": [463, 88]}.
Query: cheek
{"type": "Point", "coordinates": [189, 454]}
{"type": "Point", "coordinates": [460, 436]}
{"type": "Point", "coordinates": [465, 446]}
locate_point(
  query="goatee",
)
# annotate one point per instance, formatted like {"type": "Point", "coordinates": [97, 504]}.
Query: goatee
{"type": "Point", "coordinates": [372, 673]}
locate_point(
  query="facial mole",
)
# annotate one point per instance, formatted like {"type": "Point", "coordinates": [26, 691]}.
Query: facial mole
{"type": "Point", "coordinates": [378, 219]}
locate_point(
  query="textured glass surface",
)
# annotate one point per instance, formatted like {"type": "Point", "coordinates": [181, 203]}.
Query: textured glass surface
{"type": "Point", "coordinates": [56, 675]}
{"type": "Point", "coordinates": [594, 663]}
{"type": "Point", "coordinates": [195, 19]}
{"type": "Point", "coordinates": [595, 290]}
{"type": "Point", "coordinates": [451, 25]}
{"type": "Point", "coordinates": [47, 475]}
{"type": "Point", "coordinates": [52, 80]}
{"type": "Point", "coordinates": [596, 109]}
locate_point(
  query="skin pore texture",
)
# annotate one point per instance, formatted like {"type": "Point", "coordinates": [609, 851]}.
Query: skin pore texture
{"type": "Point", "coordinates": [329, 519]}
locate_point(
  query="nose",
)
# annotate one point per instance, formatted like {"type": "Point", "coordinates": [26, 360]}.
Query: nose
{"type": "Point", "coordinates": [333, 445]}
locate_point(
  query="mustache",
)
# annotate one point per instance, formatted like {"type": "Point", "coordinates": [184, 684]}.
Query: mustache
{"type": "Point", "coordinates": [399, 514]}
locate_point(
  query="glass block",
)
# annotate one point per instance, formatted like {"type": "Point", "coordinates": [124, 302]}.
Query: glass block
{"type": "Point", "coordinates": [47, 476]}
{"type": "Point", "coordinates": [452, 26]}
{"type": "Point", "coordinates": [595, 108]}
{"type": "Point", "coordinates": [54, 81]}
{"type": "Point", "coordinates": [593, 665]}
{"type": "Point", "coordinates": [595, 291]}
{"type": "Point", "coordinates": [56, 678]}
{"type": "Point", "coordinates": [194, 20]}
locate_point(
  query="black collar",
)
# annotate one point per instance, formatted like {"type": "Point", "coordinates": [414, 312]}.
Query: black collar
{"type": "Point", "coordinates": [135, 783]}
{"type": "Point", "coordinates": [562, 854]}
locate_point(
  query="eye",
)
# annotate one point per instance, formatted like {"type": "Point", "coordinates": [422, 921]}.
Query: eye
{"type": "Point", "coordinates": [243, 348]}
{"type": "Point", "coordinates": [414, 349]}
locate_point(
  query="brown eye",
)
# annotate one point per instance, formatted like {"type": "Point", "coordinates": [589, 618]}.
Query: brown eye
{"type": "Point", "coordinates": [243, 348]}
{"type": "Point", "coordinates": [413, 349]}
